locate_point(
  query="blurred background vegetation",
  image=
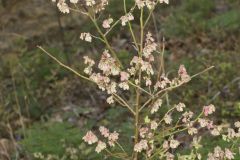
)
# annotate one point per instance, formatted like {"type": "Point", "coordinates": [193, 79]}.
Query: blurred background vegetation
{"type": "Point", "coordinates": [44, 108]}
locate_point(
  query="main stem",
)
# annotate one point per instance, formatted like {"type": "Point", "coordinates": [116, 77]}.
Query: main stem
{"type": "Point", "coordinates": [138, 91]}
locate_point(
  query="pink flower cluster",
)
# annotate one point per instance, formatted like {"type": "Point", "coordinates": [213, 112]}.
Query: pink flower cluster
{"type": "Point", "coordinates": [111, 138]}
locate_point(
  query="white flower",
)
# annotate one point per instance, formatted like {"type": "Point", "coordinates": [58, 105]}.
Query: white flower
{"type": "Point", "coordinates": [74, 1]}
{"type": "Point", "coordinates": [237, 124]}
{"type": "Point", "coordinates": [38, 155]}
{"type": "Point", "coordinates": [86, 36]}
{"type": "Point", "coordinates": [168, 119]}
{"type": "Point", "coordinates": [202, 122]}
{"type": "Point", "coordinates": [140, 3]}
{"type": "Point", "coordinates": [164, 1]}
{"type": "Point", "coordinates": [100, 146]}
{"type": "Point", "coordinates": [112, 88]}
{"type": "Point", "coordinates": [216, 131]}
{"type": "Point", "coordinates": [124, 85]}
{"type": "Point", "coordinates": [192, 131]}
{"type": "Point", "coordinates": [110, 100]}
{"type": "Point", "coordinates": [154, 125]}
{"type": "Point", "coordinates": [107, 23]}
{"type": "Point", "coordinates": [180, 107]}
{"type": "Point", "coordinates": [147, 67]}
{"type": "Point", "coordinates": [174, 143]}
{"type": "Point", "coordinates": [62, 6]}
{"type": "Point", "coordinates": [90, 2]}
{"type": "Point", "coordinates": [187, 116]}
{"type": "Point", "coordinates": [90, 63]}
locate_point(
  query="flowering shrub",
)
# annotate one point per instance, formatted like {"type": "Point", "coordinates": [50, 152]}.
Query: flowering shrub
{"type": "Point", "coordinates": [156, 136]}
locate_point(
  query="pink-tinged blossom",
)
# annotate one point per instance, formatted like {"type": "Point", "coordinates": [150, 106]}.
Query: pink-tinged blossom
{"type": "Point", "coordinates": [107, 22]}
{"type": "Point", "coordinates": [143, 131]}
{"type": "Point", "coordinates": [207, 110]}
{"type": "Point", "coordinates": [108, 64]}
{"type": "Point", "coordinates": [150, 46]}
{"type": "Point", "coordinates": [148, 81]}
{"type": "Point", "coordinates": [90, 138]}
{"type": "Point", "coordinates": [156, 106]}
{"type": "Point", "coordinates": [140, 146]}
{"type": "Point", "coordinates": [229, 154]}
{"type": "Point", "coordinates": [210, 125]}
{"type": "Point", "coordinates": [101, 81]}
{"type": "Point", "coordinates": [136, 60]}
{"type": "Point", "coordinates": [202, 122]}
{"type": "Point", "coordinates": [104, 131]}
{"type": "Point", "coordinates": [124, 76]}
{"type": "Point", "coordinates": [182, 72]}
{"type": "Point", "coordinates": [100, 146]}
{"type": "Point", "coordinates": [164, 81]}
{"type": "Point", "coordinates": [112, 138]}
{"type": "Point", "coordinates": [126, 18]}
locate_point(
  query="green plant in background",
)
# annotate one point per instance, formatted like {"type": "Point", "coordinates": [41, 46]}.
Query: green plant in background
{"type": "Point", "coordinates": [196, 17]}
{"type": "Point", "coordinates": [56, 139]}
